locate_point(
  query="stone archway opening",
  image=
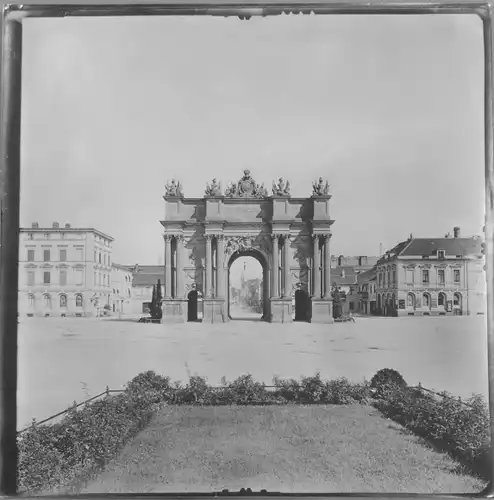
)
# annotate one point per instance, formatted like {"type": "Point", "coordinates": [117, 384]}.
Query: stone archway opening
{"type": "Point", "coordinates": [248, 282]}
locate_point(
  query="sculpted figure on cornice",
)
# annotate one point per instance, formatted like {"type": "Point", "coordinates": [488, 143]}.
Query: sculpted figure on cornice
{"type": "Point", "coordinates": [213, 189]}
{"type": "Point", "coordinates": [246, 187]}
{"type": "Point", "coordinates": [173, 188]}
{"type": "Point", "coordinates": [282, 188]}
{"type": "Point", "coordinates": [319, 188]}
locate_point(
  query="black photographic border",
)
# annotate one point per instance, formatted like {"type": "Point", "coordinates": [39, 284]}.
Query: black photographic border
{"type": "Point", "coordinates": [12, 17]}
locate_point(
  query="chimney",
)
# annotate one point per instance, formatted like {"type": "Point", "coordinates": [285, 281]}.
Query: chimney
{"type": "Point", "coordinates": [56, 225]}
{"type": "Point", "coordinates": [35, 225]}
{"type": "Point", "coordinates": [456, 232]}
{"type": "Point", "coordinates": [67, 225]}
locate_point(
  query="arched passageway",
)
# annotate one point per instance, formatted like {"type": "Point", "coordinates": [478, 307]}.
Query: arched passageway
{"type": "Point", "coordinates": [248, 286]}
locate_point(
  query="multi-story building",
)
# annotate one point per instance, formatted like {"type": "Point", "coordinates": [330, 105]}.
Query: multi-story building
{"type": "Point", "coordinates": [63, 271]}
{"type": "Point", "coordinates": [359, 263]}
{"type": "Point", "coordinates": [366, 282]}
{"type": "Point", "coordinates": [432, 276]}
{"type": "Point", "coordinates": [121, 282]}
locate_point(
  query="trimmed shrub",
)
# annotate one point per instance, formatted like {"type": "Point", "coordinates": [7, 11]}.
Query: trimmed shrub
{"type": "Point", "coordinates": [385, 379]}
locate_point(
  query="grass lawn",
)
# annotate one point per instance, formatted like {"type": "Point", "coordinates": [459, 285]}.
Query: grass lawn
{"type": "Point", "coordinates": [280, 448]}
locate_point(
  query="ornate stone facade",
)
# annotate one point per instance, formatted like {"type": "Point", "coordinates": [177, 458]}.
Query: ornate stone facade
{"type": "Point", "coordinates": [290, 237]}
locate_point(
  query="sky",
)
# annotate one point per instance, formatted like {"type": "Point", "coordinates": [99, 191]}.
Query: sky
{"type": "Point", "coordinates": [389, 109]}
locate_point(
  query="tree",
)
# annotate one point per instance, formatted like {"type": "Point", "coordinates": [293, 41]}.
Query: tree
{"type": "Point", "coordinates": [156, 301]}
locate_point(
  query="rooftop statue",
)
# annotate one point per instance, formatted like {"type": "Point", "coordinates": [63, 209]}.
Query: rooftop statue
{"type": "Point", "coordinates": [213, 189]}
{"type": "Point", "coordinates": [173, 188]}
{"type": "Point", "coordinates": [282, 188]}
{"type": "Point", "coordinates": [246, 187]}
{"type": "Point", "coordinates": [319, 188]}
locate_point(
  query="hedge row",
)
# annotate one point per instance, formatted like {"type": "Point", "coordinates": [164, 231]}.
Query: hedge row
{"type": "Point", "coordinates": [57, 457]}
{"type": "Point", "coordinates": [460, 428]}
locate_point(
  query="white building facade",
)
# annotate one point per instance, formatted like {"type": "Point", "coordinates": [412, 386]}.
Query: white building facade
{"type": "Point", "coordinates": [64, 271]}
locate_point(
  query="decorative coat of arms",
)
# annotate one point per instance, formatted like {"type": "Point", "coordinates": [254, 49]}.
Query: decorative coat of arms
{"type": "Point", "coordinates": [241, 243]}
{"type": "Point", "coordinates": [246, 187]}
{"type": "Point", "coordinates": [319, 188]}
{"type": "Point", "coordinates": [173, 188]}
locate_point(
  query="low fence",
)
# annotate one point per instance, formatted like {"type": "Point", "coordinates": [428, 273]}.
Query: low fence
{"type": "Point", "coordinates": [269, 388]}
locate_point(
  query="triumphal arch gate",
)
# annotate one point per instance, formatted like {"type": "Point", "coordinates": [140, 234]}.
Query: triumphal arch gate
{"type": "Point", "coordinates": [290, 237]}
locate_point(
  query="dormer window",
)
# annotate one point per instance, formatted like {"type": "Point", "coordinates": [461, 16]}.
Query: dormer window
{"type": "Point", "coordinates": [441, 254]}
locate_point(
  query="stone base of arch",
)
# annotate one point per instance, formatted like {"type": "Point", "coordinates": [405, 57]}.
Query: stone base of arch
{"type": "Point", "coordinates": [322, 311]}
{"type": "Point", "coordinates": [174, 311]}
{"type": "Point", "coordinates": [280, 310]}
{"type": "Point", "coordinates": [215, 311]}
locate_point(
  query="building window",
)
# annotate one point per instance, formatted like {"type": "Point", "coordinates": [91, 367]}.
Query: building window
{"type": "Point", "coordinates": [441, 254]}
{"type": "Point", "coordinates": [47, 298]}
{"type": "Point", "coordinates": [440, 276]}
{"type": "Point", "coordinates": [46, 278]}
{"type": "Point", "coordinates": [78, 300]}
{"type": "Point", "coordinates": [411, 300]}
{"type": "Point", "coordinates": [80, 254]}
{"type": "Point", "coordinates": [99, 258]}
{"type": "Point", "coordinates": [30, 236]}
{"type": "Point", "coordinates": [425, 276]}
{"type": "Point", "coordinates": [63, 255]}
{"type": "Point", "coordinates": [457, 300]}
{"type": "Point", "coordinates": [441, 300]}
{"type": "Point", "coordinates": [30, 278]}
{"type": "Point", "coordinates": [46, 236]}
{"type": "Point", "coordinates": [30, 300]}
{"type": "Point", "coordinates": [78, 277]}
{"type": "Point", "coordinates": [95, 256]}
{"type": "Point", "coordinates": [63, 300]}
{"type": "Point", "coordinates": [46, 255]}
{"type": "Point", "coordinates": [456, 274]}
{"type": "Point", "coordinates": [394, 277]}
{"type": "Point", "coordinates": [409, 275]}
{"type": "Point", "coordinates": [30, 255]}
{"type": "Point", "coordinates": [427, 300]}
{"type": "Point", "coordinates": [63, 278]}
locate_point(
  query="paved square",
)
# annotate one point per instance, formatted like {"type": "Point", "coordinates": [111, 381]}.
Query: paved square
{"type": "Point", "coordinates": [62, 360]}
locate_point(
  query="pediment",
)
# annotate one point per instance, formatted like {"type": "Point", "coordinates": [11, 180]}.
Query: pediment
{"type": "Point", "coordinates": [31, 266]}
{"type": "Point", "coordinates": [78, 266]}
{"type": "Point", "coordinates": [47, 266]}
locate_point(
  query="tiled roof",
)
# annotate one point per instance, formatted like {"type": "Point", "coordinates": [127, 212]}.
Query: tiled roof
{"type": "Point", "coordinates": [367, 275]}
{"type": "Point", "coordinates": [429, 246]}
{"type": "Point", "coordinates": [348, 279]}
{"type": "Point", "coordinates": [148, 275]}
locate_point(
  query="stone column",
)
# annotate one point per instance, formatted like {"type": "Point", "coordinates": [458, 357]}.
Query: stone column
{"type": "Point", "coordinates": [276, 270]}
{"type": "Point", "coordinates": [180, 292]}
{"type": "Point", "coordinates": [209, 273]}
{"type": "Point", "coordinates": [220, 276]}
{"type": "Point", "coordinates": [168, 265]}
{"type": "Point", "coordinates": [327, 267]}
{"type": "Point", "coordinates": [317, 267]}
{"type": "Point", "coordinates": [287, 271]}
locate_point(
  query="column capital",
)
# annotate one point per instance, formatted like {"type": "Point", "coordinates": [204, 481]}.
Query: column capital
{"type": "Point", "coordinates": [287, 236]}
{"type": "Point", "coordinates": [327, 236]}
{"type": "Point", "coordinates": [275, 236]}
{"type": "Point", "coordinates": [167, 236]}
{"type": "Point", "coordinates": [220, 237]}
{"type": "Point", "coordinates": [179, 237]}
{"type": "Point", "coordinates": [315, 237]}
{"type": "Point", "coordinates": [208, 237]}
